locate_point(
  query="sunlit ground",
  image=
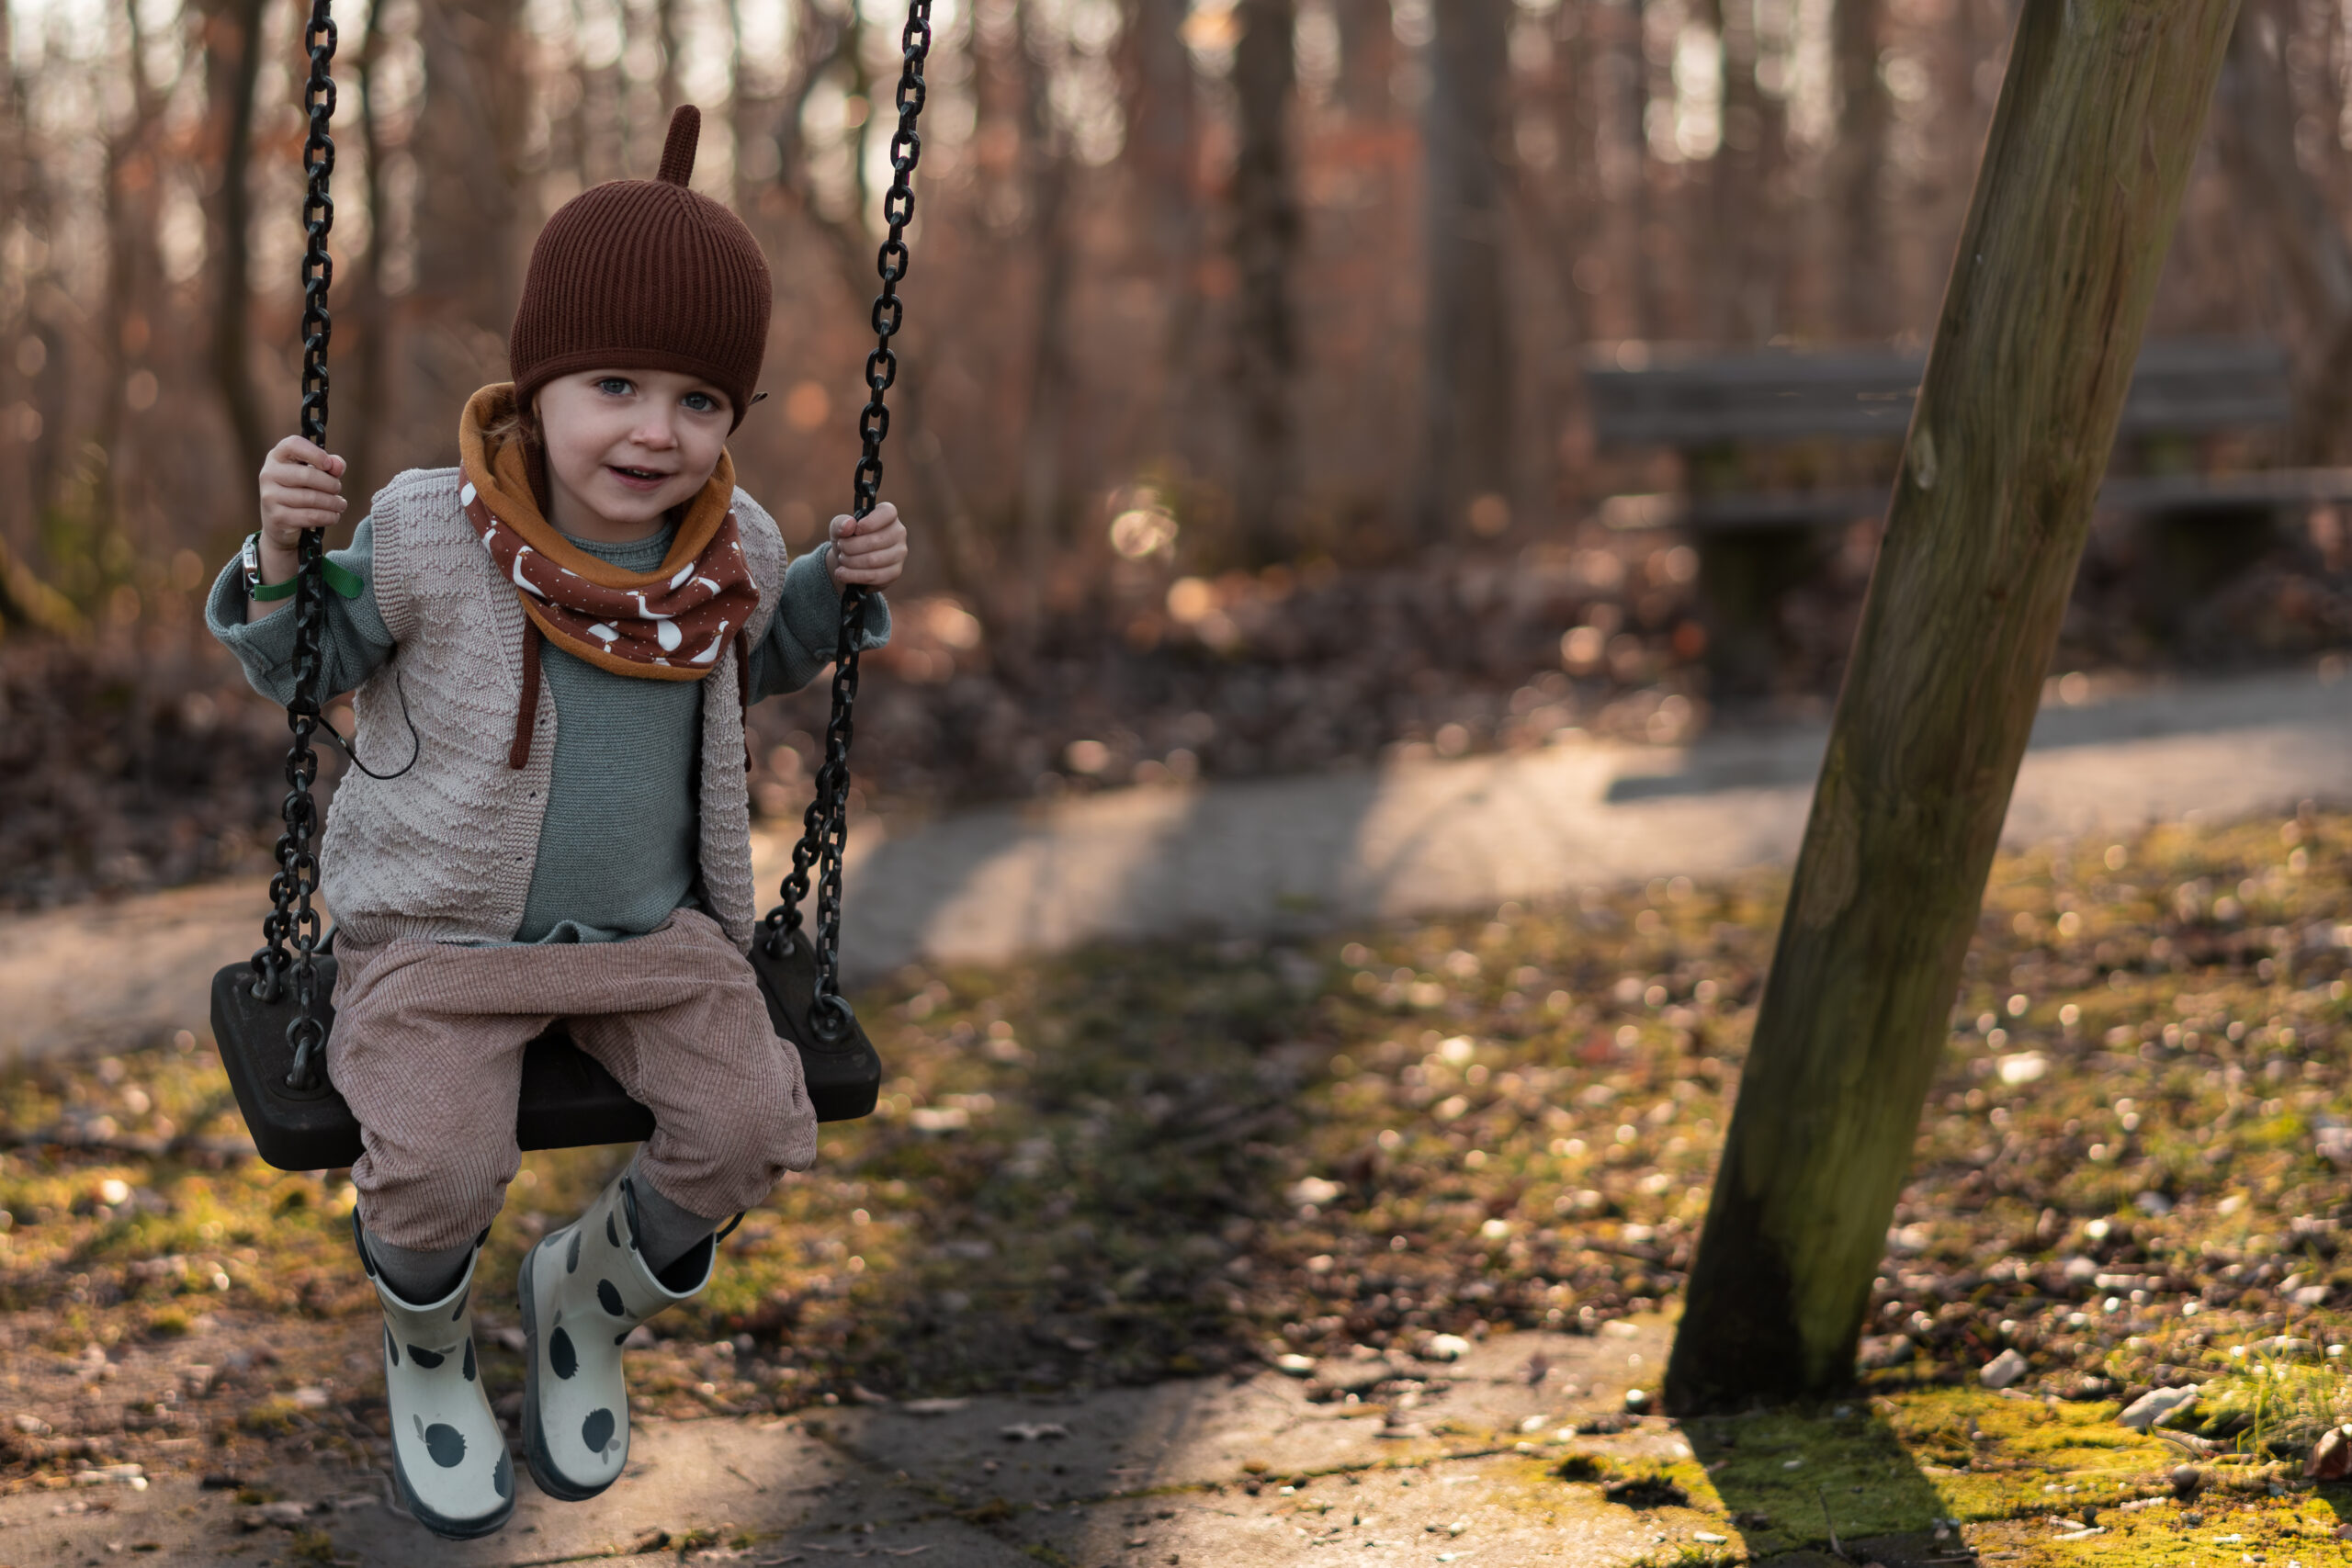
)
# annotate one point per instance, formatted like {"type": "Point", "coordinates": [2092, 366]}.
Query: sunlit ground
{"type": "Point", "coordinates": [1141, 1163]}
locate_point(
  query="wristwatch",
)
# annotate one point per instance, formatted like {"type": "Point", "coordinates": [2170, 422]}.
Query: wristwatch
{"type": "Point", "coordinates": [255, 587]}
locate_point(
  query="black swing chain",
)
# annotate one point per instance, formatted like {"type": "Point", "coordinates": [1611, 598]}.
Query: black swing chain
{"type": "Point", "coordinates": [292, 920]}
{"type": "Point", "coordinates": [825, 828]}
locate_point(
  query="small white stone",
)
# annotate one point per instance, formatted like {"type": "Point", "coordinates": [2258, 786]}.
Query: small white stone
{"type": "Point", "coordinates": [2156, 1407]}
{"type": "Point", "coordinates": [1314, 1190]}
{"type": "Point", "coordinates": [2004, 1371]}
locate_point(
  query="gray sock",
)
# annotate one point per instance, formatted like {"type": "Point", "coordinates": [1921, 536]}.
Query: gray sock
{"type": "Point", "coordinates": [665, 1233]}
{"type": "Point", "coordinates": [419, 1279]}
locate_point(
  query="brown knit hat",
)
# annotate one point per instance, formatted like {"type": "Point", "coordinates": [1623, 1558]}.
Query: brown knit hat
{"type": "Point", "coordinates": [645, 275]}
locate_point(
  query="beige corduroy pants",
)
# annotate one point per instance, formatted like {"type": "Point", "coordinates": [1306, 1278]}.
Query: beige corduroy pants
{"type": "Point", "coordinates": [427, 1049]}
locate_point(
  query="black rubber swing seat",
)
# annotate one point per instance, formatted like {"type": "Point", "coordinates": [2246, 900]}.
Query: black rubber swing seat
{"type": "Point", "coordinates": [568, 1099]}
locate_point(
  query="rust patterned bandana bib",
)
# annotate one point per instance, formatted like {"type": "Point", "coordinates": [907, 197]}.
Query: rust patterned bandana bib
{"type": "Point", "coordinates": [671, 624]}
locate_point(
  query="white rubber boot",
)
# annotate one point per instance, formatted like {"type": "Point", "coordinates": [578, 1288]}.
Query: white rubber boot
{"type": "Point", "coordinates": [448, 1451]}
{"type": "Point", "coordinates": [584, 1289]}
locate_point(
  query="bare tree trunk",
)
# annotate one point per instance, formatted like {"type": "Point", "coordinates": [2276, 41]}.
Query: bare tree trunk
{"type": "Point", "coordinates": [1160, 148]}
{"type": "Point", "coordinates": [1863, 261]}
{"type": "Point", "coordinates": [1468, 377]}
{"type": "Point", "coordinates": [740, 115]}
{"type": "Point", "coordinates": [1047, 170]}
{"type": "Point", "coordinates": [1620, 156]}
{"type": "Point", "coordinates": [1745, 285]}
{"type": "Point", "coordinates": [232, 65]}
{"type": "Point", "coordinates": [371, 374]}
{"type": "Point", "coordinates": [2091, 146]}
{"type": "Point", "coordinates": [2255, 121]}
{"type": "Point", "coordinates": [18, 496]}
{"type": "Point", "coordinates": [599, 139]}
{"type": "Point", "coordinates": [1367, 59]}
{"type": "Point", "coordinates": [1265, 248]}
{"type": "Point", "coordinates": [666, 22]}
{"type": "Point", "coordinates": [468, 136]}
{"type": "Point", "coordinates": [129, 191]}
{"type": "Point", "coordinates": [12, 118]}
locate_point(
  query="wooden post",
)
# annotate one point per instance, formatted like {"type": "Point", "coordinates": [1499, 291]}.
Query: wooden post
{"type": "Point", "coordinates": [2090, 147]}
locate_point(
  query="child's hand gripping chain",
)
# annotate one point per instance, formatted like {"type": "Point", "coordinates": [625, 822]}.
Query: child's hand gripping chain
{"type": "Point", "coordinates": [870, 551]}
{"type": "Point", "coordinates": [302, 489]}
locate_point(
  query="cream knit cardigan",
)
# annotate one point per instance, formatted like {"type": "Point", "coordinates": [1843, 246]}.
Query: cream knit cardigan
{"type": "Point", "coordinates": [444, 852]}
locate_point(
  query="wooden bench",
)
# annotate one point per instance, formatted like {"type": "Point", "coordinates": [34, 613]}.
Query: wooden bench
{"type": "Point", "coordinates": [1720, 411]}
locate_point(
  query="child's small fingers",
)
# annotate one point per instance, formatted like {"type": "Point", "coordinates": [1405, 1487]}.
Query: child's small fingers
{"type": "Point", "coordinates": [304, 475]}
{"type": "Point", "coordinates": [299, 449]}
{"type": "Point", "coordinates": [322, 496]}
{"type": "Point", "coordinates": [880, 566]}
{"type": "Point", "coordinates": [892, 537]}
{"type": "Point", "coordinates": [847, 527]}
{"type": "Point", "coordinates": [276, 502]}
{"type": "Point", "coordinates": [304, 506]}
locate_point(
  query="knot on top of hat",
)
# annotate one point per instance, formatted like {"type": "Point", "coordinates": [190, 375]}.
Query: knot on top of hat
{"type": "Point", "coordinates": [678, 150]}
{"type": "Point", "coordinates": [645, 275]}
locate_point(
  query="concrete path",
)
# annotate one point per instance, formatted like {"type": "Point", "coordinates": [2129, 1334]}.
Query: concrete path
{"type": "Point", "coordinates": [1282, 854]}
{"type": "Point", "coordinates": [1216, 1472]}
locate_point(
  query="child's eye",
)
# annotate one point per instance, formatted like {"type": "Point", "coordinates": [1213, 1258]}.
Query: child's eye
{"type": "Point", "coordinates": [702, 402]}
{"type": "Point", "coordinates": [614, 385]}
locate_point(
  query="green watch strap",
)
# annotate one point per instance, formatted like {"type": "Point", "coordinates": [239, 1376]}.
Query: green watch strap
{"type": "Point", "coordinates": [343, 580]}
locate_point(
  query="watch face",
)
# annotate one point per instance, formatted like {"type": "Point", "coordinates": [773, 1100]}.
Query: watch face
{"type": "Point", "coordinates": [253, 557]}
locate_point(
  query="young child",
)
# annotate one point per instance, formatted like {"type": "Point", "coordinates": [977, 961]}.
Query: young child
{"type": "Point", "coordinates": [573, 619]}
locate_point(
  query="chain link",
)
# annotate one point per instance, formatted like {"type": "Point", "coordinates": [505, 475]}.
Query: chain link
{"type": "Point", "coordinates": [292, 920]}
{"type": "Point", "coordinates": [825, 828]}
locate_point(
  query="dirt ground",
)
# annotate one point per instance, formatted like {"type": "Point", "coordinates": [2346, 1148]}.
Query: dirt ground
{"type": "Point", "coordinates": [1481, 1144]}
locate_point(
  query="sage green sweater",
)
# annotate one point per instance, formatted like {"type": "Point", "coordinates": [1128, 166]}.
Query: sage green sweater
{"type": "Point", "coordinates": [616, 850]}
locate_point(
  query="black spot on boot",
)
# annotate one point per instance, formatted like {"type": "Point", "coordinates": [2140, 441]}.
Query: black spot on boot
{"type": "Point", "coordinates": [572, 1253]}
{"type": "Point", "coordinates": [446, 1444]}
{"type": "Point", "coordinates": [461, 1305]}
{"type": "Point", "coordinates": [612, 1231]}
{"type": "Point", "coordinates": [426, 1358]}
{"type": "Point", "coordinates": [597, 1431]}
{"type": "Point", "coordinates": [608, 1296]}
{"type": "Point", "coordinates": [502, 1478]}
{"type": "Point", "coordinates": [560, 1355]}
{"type": "Point", "coordinates": [391, 1347]}
{"type": "Point", "coordinates": [469, 1360]}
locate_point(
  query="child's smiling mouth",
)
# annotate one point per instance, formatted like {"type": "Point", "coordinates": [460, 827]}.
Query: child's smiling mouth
{"type": "Point", "coordinates": [638, 478]}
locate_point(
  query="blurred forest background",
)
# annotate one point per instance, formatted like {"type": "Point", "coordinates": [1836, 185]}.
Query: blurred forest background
{"type": "Point", "coordinates": [1242, 426]}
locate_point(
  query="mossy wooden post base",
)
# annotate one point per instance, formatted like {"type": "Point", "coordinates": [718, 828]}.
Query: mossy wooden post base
{"type": "Point", "coordinates": [2083, 171]}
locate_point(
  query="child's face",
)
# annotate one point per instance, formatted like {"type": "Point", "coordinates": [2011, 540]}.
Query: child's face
{"type": "Point", "coordinates": [628, 445]}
